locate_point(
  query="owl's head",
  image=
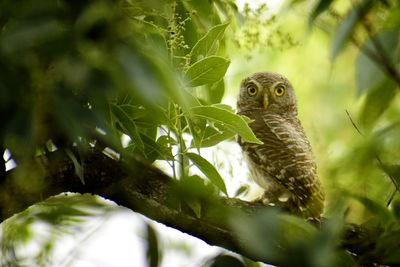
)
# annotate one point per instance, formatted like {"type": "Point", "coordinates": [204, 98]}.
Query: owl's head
{"type": "Point", "coordinates": [267, 91]}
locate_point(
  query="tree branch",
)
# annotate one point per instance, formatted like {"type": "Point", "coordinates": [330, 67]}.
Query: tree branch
{"type": "Point", "coordinates": [146, 190]}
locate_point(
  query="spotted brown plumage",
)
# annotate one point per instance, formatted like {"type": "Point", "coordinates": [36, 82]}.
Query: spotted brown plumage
{"type": "Point", "coordinates": [284, 165]}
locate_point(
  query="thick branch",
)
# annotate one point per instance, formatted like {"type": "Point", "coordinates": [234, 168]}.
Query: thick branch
{"type": "Point", "coordinates": [144, 189]}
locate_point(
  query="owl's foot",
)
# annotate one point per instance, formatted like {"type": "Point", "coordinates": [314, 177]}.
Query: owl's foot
{"type": "Point", "coordinates": [278, 198]}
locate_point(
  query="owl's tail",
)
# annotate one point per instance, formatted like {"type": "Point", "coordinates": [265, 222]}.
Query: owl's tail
{"type": "Point", "coordinates": [310, 208]}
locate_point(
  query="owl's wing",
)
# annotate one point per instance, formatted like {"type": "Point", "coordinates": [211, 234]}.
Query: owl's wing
{"type": "Point", "coordinates": [289, 151]}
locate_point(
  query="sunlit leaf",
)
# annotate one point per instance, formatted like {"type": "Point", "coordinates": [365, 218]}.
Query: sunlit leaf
{"type": "Point", "coordinates": [215, 134]}
{"type": "Point", "coordinates": [209, 170]}
{"type": "Point", "coordinates": [208, 70]}
{"type": "Point", "coordinates": [208, 44]}
{"type": "Point", "coordinates": [231, 121]}
{"type": "Point", "coordinates": [347, 25]}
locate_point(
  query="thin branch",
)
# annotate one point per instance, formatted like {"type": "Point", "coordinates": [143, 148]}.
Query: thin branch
{"type": "Point", "coordinates": [354, 124]}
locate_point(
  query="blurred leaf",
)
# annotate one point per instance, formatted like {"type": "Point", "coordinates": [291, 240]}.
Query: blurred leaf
{"type": "Point", "coordinates": [208, 44]}
{"type": "Point", "coordinates": [369, 74]}
{"type": "Point", "coordinates": [393, 171]}
{"type": "Point", "coordinates": [319, 7]}
{"type": "Point", "coordinates": [20, 38]}
{"type": "Point", "coordinates": [241, 190]}
{"type": "Point", "coordinates": [388, 245]}
{"type": "Point", "coordinates": [128, 125]}
{"type": "Point", "coordinates": [209, 170]}
{"type": "Point", "coordinates": [377, 101]}
{"type": "Point", "coordinates": [204, 14]}
{"type": "Point", "coordinates": [195, 206]}
{"type": "Point", "coordinates": [270, 235]}
{"type": "Point", "coordinates": [346, 27]}
{"type": "Point", "coordinates": [208, 70]}
{"type": "Point", "coordinates": [231, 121]}
{"type": "Point", "coordinates": [153, 250]}
{"type": "Point", "coordinates": [148, 76]}
{"type": "Point", "coordinates": [226, 261]}
{"type": "Point", "coordinates": [375, 208]}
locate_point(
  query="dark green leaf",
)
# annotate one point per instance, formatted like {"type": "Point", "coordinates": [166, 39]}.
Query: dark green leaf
{"type": "Point", "coordinates": [226, 261]}
{"type": "Point", "coordinates": [208, 44]}
{"type": "Point", "coordinates": [128, 125]}
{"type": "Point", "coordinates": [208, 70]}
{"type": "Point", "coordinates": [369, 74]}
{"type": "Point", "coordinates": [377, 209]}
{"type": "Point", "coordinates": [393, 171]}
{"type": "Point", "coordinates": [209, 170]}
{"type": "Point", "coordinates": [319, 7]}
{"type": "Point", "coordinates": [153, 249]}
{"type": "Point", "coordinates": [241, 190]}
{"type": "Point", "coordinates": [269, 234]}
{"type": "Point", "coordinates": [153, 150]}
{"type": "Point", "coordinates": [377, 101]}
{"type": "Point", "coordinates": [195, 206]}
{"type": "Point", "coordinates": [231, 121]}
{"type": "Point", "coordinates": [347, 25]}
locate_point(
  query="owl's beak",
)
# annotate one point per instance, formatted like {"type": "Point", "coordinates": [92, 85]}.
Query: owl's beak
{"type": "Point", "coordinates": [265, 101]}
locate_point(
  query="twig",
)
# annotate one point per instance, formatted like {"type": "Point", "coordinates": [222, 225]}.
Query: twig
{"type": "Point", "coordinates": [354, 124]}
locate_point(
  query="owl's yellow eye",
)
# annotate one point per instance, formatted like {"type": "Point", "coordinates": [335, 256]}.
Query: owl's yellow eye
{"type": "Point", "coordinates": [280, 90]}
{"type": "Point", "coordinates": [251, 89]}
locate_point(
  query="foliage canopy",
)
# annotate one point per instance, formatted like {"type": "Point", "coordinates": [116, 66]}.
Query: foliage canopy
{"type": "Point", "coordinates": [145, 80]}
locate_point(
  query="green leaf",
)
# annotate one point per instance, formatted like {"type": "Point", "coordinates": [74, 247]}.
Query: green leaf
{"type": "Point", "coordinates": [377, 101]}
{"type": "Point", "coordinates": [195, 206]}
{"type": "Point", "coordinates": [226, 261]}
{"type": "Point", "coordinates": [134, 112]}
{"type": "Point", "coordinates": [209, 170]}
{"type": "Point", "coordinates": [375, 208]}
{"type": "Point", "coordinates": [369, 75]}
{"type": "Point", "coordinates": [79, 170]}
{"type": "Point", "coordinates": [347, 25]}
{"type": "Point", "coordinates": [241, 190]}
{"type": "Point", "coordinates": [217, 91]}
{"type": "Point", "coordinates": [153, 250]}
{"type": "Point", "coordinates": [213, 135]}
{"type": "Point", "coordinates": [153, 150]}
{"type": "Point", "coordinates": [393, 171]}
{"type": "Point", "coordinates": [128, 125]}
{"type": "Point", "coordinates": [320, 7]}
{"type": "Point", "coordinates": [208, 70]}
{"type": "Point", "coordinates": [230, 120]}
{"type": "Point", "coordinates": [208, 43]}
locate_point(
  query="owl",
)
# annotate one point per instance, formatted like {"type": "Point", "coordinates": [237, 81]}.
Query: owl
{"type": "Point", "coordinates": [284, 164]}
